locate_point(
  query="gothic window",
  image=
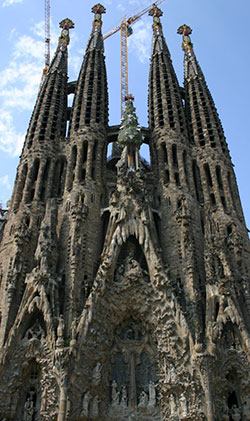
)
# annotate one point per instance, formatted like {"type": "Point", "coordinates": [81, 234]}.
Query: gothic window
{"type": "Point", "coordinates": [197, 182]}
{"type": "Point", "coordinates": [35, 170]}
{"type": "Point", "coordinates": [208, 175]}
{"type": "Point", "coordinates": [134, 373]}
{"type": "Point", "coordinates": [30, 394]}
{"type": "Point", "coordinates": [220, 185]}
{"type": "Point", "coordinates": [44, 179]}
{"type": "Point", "coordinates": [174, 156]}
{"type": "Point", "coordinates": [59, 177]}
{"type": "Point", "coordinates": [93, 160]}
{"type": "Point", "coordinates": [71, 167]}
{"type": "Point", "coordinates": [82, 169]}
{"type": "Point", "coordinates": [185, 167]}
{"type": "Point", "coordinates": [164, 152]}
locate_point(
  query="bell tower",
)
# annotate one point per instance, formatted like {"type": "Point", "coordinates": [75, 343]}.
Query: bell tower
{"type": "Point", "coordinates": [124, 285]}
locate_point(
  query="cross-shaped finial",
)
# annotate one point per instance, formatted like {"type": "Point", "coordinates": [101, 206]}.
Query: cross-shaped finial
{"type": "Point", "coordinates": [185, 31]}
{"type": "Point", "coordinates": [156, 13]}
{"type": "Point", "coordinates": [65, 24]}
{"type": "Point", "coordinates": [98, 10]}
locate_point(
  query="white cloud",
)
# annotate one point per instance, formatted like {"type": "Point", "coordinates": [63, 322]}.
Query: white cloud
{"type": "Point", "coordinates": [10, 141]}
{"type": "Point", "coordinates": [9, 2]}
{"type": "Point", "coordinates": [5, 182]}
{"type": "Point", "coordinates": [19, 83]}
{"type": "Point", "coordinates": [140, 41]}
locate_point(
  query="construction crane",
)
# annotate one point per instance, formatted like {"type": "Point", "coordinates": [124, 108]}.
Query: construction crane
{"type": "Point", "coordinates": [47, 40]}
{"type": "Point", "coordinates": [47, 35]}
{"type": "Point", "coordinates": [125, 31]}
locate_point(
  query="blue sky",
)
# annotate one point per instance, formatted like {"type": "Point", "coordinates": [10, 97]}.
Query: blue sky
{"type": "Point", "coordinates": [221, 43]}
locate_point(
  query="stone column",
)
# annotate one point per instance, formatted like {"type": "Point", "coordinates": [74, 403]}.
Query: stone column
{"type": "Point", "coordinates": [62, 403]}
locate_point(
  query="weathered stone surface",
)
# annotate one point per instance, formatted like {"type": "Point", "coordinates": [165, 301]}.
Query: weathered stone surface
{"type": "Point", "coordinates": [124, 285]}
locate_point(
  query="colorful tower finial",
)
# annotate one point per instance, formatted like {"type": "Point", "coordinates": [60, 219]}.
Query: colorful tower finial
{"type": "Point", "coordinates": [130, 136]}
{"type": "Point", "coordinates": [64, 39]}
{"type": "Point", "coordinates": [98, 10]}
{"type": "Point", "coordinates": [185, 31]}
{"type": "Point", "coordinates": [156, 13]}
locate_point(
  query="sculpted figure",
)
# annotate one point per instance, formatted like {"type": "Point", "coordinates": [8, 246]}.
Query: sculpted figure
{"type": "Point", "coordinates": [143, 400]}
{"type": "Point", "coordinates": [152, 395]}
{"type": "Point", "coordinates": [235, 413]}
{"type": "Point", "coordinates": [170, 375]}
{"type": "Point", "coordinates": [95, 407]}
{"type": "Point", "coordinates": [124, 397]}
{"type": "Point", "coordinates": [172, 405]}
{"type": "Point", "coordinates": [60, 327]}
{"type": "Point", "coordinates": [246, 408]}
{"type": "Point", "coordinates": [115, 394]}
{"type": "Point", "coordinates": [96, 377]}
{"type": "Point", "coordinates": [85, 403]}
{"type": "Point", "coordinates": [28, 409]}
{"type": "Point", "coordinates": [183, 403]}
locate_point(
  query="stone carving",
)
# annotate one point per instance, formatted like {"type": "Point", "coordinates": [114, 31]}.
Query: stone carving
{"type": "Point", "coordinates": [97, 374]}
{"type": "Point", "coordinates": [172, 405]}
{"type": "Point", "coordinates": [60, 331]}
{"type": "Point", "coordinates": [46, 251]}
{"type": "Point", "coordinates": [246, 408]}
{"type": "Point", "coordinates": [115, 395]}
{"type": "Point", "coordinates": [183, 406]}
{"type": "Point", "coordinates": [152, 395]}
{"type": "Point", "coordinates": [95, 407]}
{"type": "Point", "coordinates": [170, 373]}
{"type": "Point", "coordinates": [235, 413]}
{"type": "Point", "coordinates": [196, 254]}
{"type": "Point", "coordinates": [124, 399]}
{"type": "Point", "coordinates": [143, 400]}
{"type": "Point", "coordinates": [35, 332]}
{"type": "Point", "coordinates": [29, 408]}
{"type": "Point", "coordinates": [85, 403]}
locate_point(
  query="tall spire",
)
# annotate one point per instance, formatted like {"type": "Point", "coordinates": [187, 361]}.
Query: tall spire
{"type": "Point", "coordinates": [203, 118]}
{"type": "Point", "coordinates": [206, 132]}
{"type": "Point", "coordinates": [47, 121]}
{"type": "Point", "coordinates": [47, 128]}
{"type": "Point", "coordinates": [91, 98]}
{"type": "Point", "coordinates": [187, 46]}
{"type": "Point", "coordinates": [165, 103]}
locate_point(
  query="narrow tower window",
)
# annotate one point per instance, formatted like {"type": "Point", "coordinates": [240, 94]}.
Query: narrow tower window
{"type": "Point", "coordinates": [34, 178]}
{"type": "Point", "coordinates": [208, 175]}
{"type": "Point", "coordinates": [174, 155]}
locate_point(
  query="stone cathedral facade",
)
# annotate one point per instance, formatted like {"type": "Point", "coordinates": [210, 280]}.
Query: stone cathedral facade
{"type": "Point", "coordinates": [124, 285]}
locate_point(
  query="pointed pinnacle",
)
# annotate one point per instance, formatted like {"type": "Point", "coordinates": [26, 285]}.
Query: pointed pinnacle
{"type": "Point", "coordinates": [156, 13]}
{"type": "Point", "coordinates": [185, 31]}
{"type": "Point", "coordinates": [64, 39]}
{"type": "Point", "coordinates": [98, 10]}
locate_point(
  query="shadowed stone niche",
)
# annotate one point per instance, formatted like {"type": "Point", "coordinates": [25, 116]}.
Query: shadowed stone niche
{"type": "Point", "coordinates": [30, 395]}
{"type": "Point", "coordinates": [133, 375]}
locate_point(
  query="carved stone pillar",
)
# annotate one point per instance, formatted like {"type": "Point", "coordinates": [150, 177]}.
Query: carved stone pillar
{"type": "Point", "coordinates": [62, 404]}
{"type": "Point", "coordinates": [205, 362]}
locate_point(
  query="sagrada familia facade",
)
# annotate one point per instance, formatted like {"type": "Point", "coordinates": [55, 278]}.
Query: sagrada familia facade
{"type": "Point", "coordinates": [124, 285]}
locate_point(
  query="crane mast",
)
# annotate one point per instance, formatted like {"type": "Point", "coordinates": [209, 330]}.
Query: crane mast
{"type": "Point", "coordinates": [47, 35]}
{"type": "Point", "coordinates": [125, 31]}
{"type": "Point", "coordinates": [124, 62]}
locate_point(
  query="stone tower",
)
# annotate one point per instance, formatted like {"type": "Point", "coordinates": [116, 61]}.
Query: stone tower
{"type": "Point", "coordinates": [124, 285]}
